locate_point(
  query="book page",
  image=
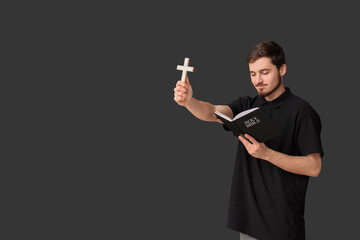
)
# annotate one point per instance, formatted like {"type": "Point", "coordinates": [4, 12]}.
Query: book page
{"type": "Point", "coordinates": [244, 113]}
{"type": "Point", "coordinates": [223, 116]}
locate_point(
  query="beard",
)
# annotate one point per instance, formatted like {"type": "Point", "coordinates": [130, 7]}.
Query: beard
{"type": "Point", "coordinates": [265, 94]}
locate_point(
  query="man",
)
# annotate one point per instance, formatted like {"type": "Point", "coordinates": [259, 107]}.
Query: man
{"type": "Point", "coordinates": [267, 198]}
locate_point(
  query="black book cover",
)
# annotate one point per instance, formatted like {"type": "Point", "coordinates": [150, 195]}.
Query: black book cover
{"type": "Point", "coordinates": [254, 122]}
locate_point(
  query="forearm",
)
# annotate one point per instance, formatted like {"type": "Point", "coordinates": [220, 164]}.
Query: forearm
{"type": "Point", "coordinates": [304, 165]}
{"type": "Point", "coordinates": [202, 110]}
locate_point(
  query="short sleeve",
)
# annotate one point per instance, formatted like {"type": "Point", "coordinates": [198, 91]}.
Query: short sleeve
{"type": "Point", "coordinates": [238, 105]}
{"type": "Point", "coordinates": [308, 134]}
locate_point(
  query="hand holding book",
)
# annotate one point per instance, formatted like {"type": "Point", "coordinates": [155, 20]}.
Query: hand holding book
{"type": "Point", "coordinates": [253, 121]}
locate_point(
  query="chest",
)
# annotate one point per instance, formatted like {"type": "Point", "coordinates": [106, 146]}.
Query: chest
{"type": "Point", "coordinates": [286, 120]}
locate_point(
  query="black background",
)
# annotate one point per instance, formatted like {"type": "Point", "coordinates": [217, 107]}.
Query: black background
{"type": "Point", "coordinates": [95, 147]}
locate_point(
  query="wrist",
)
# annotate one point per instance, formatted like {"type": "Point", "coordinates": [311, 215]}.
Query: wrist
{"type": "Point", "coordinates": [190, 103]}
{"type": "Point", "coordinates": [269, 153]}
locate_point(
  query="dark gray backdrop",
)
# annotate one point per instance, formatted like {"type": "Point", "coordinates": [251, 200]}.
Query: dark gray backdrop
{"type": "Point", "coordinates": [97, 147]}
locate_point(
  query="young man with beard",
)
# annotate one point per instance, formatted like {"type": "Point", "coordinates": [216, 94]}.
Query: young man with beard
{"type": "Point", "coordinates": [267, 198]}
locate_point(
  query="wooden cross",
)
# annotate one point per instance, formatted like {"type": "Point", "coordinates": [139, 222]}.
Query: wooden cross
{"type": "Point", "coordinates": [185, 69]}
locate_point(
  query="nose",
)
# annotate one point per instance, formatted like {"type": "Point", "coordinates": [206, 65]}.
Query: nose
{"type": "Point", "coordinates": [258, 79]}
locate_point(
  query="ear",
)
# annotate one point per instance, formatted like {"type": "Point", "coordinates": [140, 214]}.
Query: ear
{"type": "Point", "coordinates": [283, 70]}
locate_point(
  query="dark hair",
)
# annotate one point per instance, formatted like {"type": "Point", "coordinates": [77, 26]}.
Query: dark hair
{"type": "Point", "coordinates": [267, 49]}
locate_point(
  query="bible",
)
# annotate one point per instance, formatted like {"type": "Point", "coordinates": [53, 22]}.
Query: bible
{"type": "Point", "coordinates": [253, 121]}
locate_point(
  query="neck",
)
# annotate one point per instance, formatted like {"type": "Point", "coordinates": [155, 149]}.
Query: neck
{"type": "Point", "coordinates": [276, 94]}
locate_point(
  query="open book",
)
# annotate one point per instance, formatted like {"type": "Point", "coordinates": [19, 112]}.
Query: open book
{"type": "Point", "coordinates": [253, 121]}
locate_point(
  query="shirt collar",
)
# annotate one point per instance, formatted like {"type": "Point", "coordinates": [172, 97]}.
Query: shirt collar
{"type": "Point", "coordinates": [276, 103]}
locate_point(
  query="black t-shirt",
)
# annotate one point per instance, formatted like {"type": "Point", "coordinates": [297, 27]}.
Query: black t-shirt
{"type": "Point", "coordinates": [267, 202]}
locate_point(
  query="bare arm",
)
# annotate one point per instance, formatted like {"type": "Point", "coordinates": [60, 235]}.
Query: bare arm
{"type": "Point", "coordinates": [200, 109]}
{"type": "Point", "coordinates": [205, 111]}
{"type": "Point", "coordinates": [309, 165]}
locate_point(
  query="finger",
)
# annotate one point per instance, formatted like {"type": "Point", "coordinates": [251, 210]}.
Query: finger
{"type": "Point", "coordinates": [182, 84]}
{"type": "Point", "coordinates": [253, 140]}
{"type": "Point", "coordinates": [179, 98]}
{"type": "Point", "coordinates": [246, 141]}
{"type": "Point", "coordinates": [243, 140]}
{"type": "Point", "coordinates": [180, 89]}
{"type": "Point", "coordinates": [181, 94]}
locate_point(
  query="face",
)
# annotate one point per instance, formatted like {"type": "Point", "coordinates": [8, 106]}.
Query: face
{"type": "Point", "coordinates": [265, 76]}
